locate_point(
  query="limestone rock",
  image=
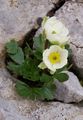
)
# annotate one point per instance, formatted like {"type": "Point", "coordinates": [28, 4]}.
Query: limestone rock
{"type": "Point", "coordinates": [79, 117]}
{"type": "Point", "coordinates": [69, 91]}
{"type": "Point", "coordinates": [6, 85]}
{"type": "Point", "coordinates": [79, 1]}
{"type": "Point", "coordinates": [28, 110]}
{"type": "Point", "coordinates": [72, 16]}
{"type": "Point", "coordinates": [1, 116]}
{"type": "Point", "coordinates": [17, 17]}
{"type": "Point", "coordinates": [13, 107]}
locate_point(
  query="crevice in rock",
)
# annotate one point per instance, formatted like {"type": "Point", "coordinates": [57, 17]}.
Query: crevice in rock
{"type": "Point", "coordinates": [57, 6]}
{"type": "Point", "coordinates": [74, 68]}
{"type": "Point", "coordinates": [29, 36]}
{"type": "Point", "coordinates": [76, 45]}
{"type": "Point", "coordinates": [79, 1]}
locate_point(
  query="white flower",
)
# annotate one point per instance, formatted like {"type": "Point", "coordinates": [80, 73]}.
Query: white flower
{"type": "Point", "coordinates": [55, 31]}
{"type": "Point", "coordinates": [55, 57]}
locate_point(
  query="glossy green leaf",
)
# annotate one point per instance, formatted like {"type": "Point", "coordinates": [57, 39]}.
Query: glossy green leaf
{"type": "Point", "coordinates": [39, 43]}
{"type": "Point", "coordinates": [61, 77]}
{"type": "Point", "coordinates": [45, 78]}
{"type": "Point", "coordinates": [18, 57]}
{"type": "Point", "coordinates": [35, 93]}
{"type": "Point", "coordinates": [12, 47]}
{"type": "Point", "coordinates": [22, 89]}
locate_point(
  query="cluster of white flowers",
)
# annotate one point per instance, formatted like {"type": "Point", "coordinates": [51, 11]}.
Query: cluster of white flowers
{"type": "Point", "coordinates": [56, 33]}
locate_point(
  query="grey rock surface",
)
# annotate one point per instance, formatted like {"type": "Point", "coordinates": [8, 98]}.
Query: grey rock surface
{"type": "Point", "coordinates": [71, 15]}
{"type": "Point", "coordinates": [28, 110]}
{"type": "Point", "coordinates": [17, 17]}
{"type": "Point", "coordinates": [13, 107]}
{"type": "Point", "coordinates": [79, 118]}
{"type": "Point", "coordinates": [79, 1]}
{"type": "Point", "coordinates": [1, 116]}
{"type": "Point", "coordinates": [70, 90]}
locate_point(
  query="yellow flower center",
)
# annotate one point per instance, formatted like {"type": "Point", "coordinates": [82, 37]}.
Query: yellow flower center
{"type": "Point", "coordinates": [54, 57]}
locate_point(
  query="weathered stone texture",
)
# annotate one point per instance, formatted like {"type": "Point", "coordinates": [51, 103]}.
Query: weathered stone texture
{"type": "Point", "coordinates": [70, 90]}
{"type": "Point", "coordinates": [17, 17]}
{"type": "Point", "coordinates": [13, 107]}
{"type": "Point", "coordinates": [72, 16]}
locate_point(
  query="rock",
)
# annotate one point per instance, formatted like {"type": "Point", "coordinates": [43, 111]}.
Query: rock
{"type": "Point", "coordinates": [35, 110]}
{"type": "Point", "coordinates": [80, 1]}
{"type": "Point", "coordinates": [72, 16]}
{"type": "Point", "coordinates": [80, 117]}
{"type": "Point", "coordinates": [69, 91]}
{"type": "Point", "coordinates": [17, 17]}
{"type": "Point", "coordinates": [1, 116]}
{"type": "Point", "coordinates": [14, 107]}
{"type": "Point", "coordinates": [6, 85]}
{"type": "Point", "coordinates": [54, 1]}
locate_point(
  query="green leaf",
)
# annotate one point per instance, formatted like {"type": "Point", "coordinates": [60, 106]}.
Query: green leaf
{"type": "Point", "coordinates": [28, 70]}
{"type": "Point", "coordinates": [46, 78]}
{"type": "Point", "coordinates": [13, 67]}
{"type": "Point", "coordinates": [67, 46]}
{"type": "Point", "coordinates": [35, 76]}
{"type": "Point", "coordinates": [35, 93]}
{"type": "Point", "coordinates": [15, 52]}
{"type": "Point", "coordinates": [48, 92]}
{"type": "Point", "coordinates": [43, 93]}
{"type": "Point", "coordinates": [69, 52]}
{"type": "Point", "coordinates": [22, 89]}
{"type": "Point", "coordinates": [18, 57]}
{"type": "Point", "coordinates": [61, 77]}
{"type": "Point", "coordinates": [38, 55]}
{"type": "Point", "coordinates": [44, 20]}
{"type": "Point", "coordinates": [28, 51]}
{"type": "Point", "coordinates": [39, 43]}
{"type": "Point", "coordinates": [69, 66]}
{"type": "Point", "coordinates": [12, 47]}
{"type": "Point", "coordinates": [62, 69]}
{"type": "Point", "coordinates": [25, 91]}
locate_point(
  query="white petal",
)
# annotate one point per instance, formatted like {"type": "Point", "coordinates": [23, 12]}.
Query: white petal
{"type": "Point", "coordinates": [61, 32]}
